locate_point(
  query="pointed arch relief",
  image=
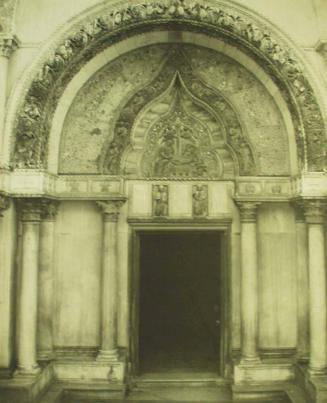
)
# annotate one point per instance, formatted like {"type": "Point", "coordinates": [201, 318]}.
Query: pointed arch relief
{"type": "Point", "coordinates": [155, 92]}
{"type": "Point", "coordinates": [119, 21]}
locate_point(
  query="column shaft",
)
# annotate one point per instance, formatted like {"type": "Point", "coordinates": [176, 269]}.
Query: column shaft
{"type": "Point", "coordinates": [46, 281]}
{"type": "Point", "coordinates": [108, 349]}
{"type": "Point", "coordinates": [314, 213]}
{"type": "Point", "coordinates": [249, 282]}
{"type": "Point", "coordinates": [27, 303]}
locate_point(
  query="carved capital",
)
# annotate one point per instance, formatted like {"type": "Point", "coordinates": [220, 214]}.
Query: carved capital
{"type": "Point", "coordinates": [314, 211]}
{"type": "Point", "coordinates": [110, 209]}
{"type": "Point", "coordinates": [7, 46]}
{"type": "Point", "coordinates": [4, 204]}
{"type": "Point", "coordinates": [299, 211]}
{"type": "Point", "coordinates": [248, 210]}
{"type": "Point", "coordinates": [49, 209]}
{"type": "Point", "coordinates": [30, 209]}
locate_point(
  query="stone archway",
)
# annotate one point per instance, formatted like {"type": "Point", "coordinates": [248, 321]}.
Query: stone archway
{"type": "Point", "coordinates": [34, 121]}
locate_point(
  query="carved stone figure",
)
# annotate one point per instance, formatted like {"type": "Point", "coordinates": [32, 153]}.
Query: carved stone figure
{"type": "Point", "coordinates": [200, 200]}
{"type": "Point", "coordinates": [160, 200]}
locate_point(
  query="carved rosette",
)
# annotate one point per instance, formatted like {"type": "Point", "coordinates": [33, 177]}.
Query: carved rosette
{"type": "Point", "coordinates": [30, 209]}
{"type": "Point", "coordinates": [35, 117]}
{"type": "Point", "coordinates": [110, 209]}
{"type": "Point", "coordinates": [315, 211]}
{"type": "Point", "coordinates": [7, 46]}
{"type": "Point", "coordinates": [4, 204]}
{"type": "Point", "coordinates": [49, 209]}
{"type": "Point", "coordinates": [248, 210]}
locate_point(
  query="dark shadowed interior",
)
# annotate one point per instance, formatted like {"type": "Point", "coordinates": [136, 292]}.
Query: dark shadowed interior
{"type": "Point", "coordinates": [179, 301]}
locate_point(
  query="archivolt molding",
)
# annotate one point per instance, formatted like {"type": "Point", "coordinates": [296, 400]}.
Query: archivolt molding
{"type": "Point", "coordinates": [35, 115]}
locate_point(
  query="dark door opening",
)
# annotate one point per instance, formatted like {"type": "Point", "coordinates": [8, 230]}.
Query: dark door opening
{"type": "Point", "coordinates": [179, 301]}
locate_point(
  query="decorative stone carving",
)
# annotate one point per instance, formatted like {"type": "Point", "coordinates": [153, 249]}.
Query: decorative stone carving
{"type": "Point", "coordinates": [314, 210]}
{"type": "Point", "coordinates": [248, 210]}
{"type": "Point", "coordinates": [95, 35]}
{"type": "Point", "coordinates": [49, 209]}
{"type": "Point", "coordinates": [30, 209]}
{"type": "Point", "coordinates": [110, 209]}
{"type": "Point", "coordinates": [4, 204]}
{"type": "Point", "coordinates": [179, 144]}
{"type": "Point", "coordinates": [7, 45]}
{"type": "Point", "coordinates": [7, 8]}
{"type": "Point", "coordinates": [160, 200]}
{"type": "Point", "coordinates": [200, 200]}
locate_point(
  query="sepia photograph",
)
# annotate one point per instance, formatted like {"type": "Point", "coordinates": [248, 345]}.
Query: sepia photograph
{"type": "Point", "coordinates": [163, 201]}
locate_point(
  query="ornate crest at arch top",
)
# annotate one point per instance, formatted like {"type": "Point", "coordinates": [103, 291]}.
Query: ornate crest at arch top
{"type": "Point", "coordinates": [178, 127]}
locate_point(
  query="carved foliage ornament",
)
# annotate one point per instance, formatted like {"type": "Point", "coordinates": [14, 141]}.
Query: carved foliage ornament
{"type": "Point", "coordinates": [35, 117]}
{"type": "Point", "coordinates": [4, 204]}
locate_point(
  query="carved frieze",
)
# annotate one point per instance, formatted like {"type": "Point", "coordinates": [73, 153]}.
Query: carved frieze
{"type": "Point", "coordinates": [160, 199]}
{"type": "Point", "coordinates": [200, 200]}
{"type": "Point", "coordinates": [126, 19]}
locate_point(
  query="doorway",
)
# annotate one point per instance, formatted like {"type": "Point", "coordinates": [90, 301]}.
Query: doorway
{"type": "Point", "coordinates": [180, 304]}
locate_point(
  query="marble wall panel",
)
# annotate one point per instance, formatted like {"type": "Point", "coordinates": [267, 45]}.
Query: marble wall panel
{"type": "Point", "coordinates": [77, 275]}
{"type": "Point", "coordinates": [277, 276]}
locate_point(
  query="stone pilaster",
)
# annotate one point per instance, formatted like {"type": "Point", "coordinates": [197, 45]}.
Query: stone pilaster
{"type": "Point", "coordinates": [30, 216]}
{"type": "Point", "coordinates": [302, 283]}
{"type": "Point", "coordinates": [7, 47]}
{"type": "Point", "coordinates": [110, 211]}
{"type": "Point", "coordinates": [314, 211]}
{"type": "Point", "coordinates": [46, 279]}
{"type": "Point", "coordinates": [249, 281]}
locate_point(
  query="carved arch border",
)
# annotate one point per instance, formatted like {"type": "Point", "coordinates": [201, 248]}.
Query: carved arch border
{"type": "Point", "coordinates": [34, 117]}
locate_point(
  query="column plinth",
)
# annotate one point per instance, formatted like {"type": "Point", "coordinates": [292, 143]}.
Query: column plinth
{"type": "Point", "coordinates": [30, 215]}
{"type": "Point", "coordinates": [108, 349]}
{"type": "Point", "coordinates": [249, 282]}
{"type": "Point", "coordinates": [314, 211]}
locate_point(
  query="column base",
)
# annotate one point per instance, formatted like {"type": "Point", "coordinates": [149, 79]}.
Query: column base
{"type": "Point", "coordinates": [314, 371]}
{"type": "Point", "coordinates": [108, 356]}
{"type": "Point", "coordinates": [27, 372]}
{"type": "Point", "coordinates": [250, 361]}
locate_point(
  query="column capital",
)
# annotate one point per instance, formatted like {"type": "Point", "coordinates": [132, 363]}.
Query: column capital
{"type": "Point", "coordinates": [8, 44]}
{"type": "Point", "coordinates": [110, 208]}
{"type": "Point", "coordinates": [30, 209]}
{"type": "Point", "coordinates": [299, 211]}
{"type": "Point", "coordinates": [4, 204]}
{"type": "Point", "coordinates": [248, 210]}
{"type": "Point", "coordinates": [49, 209]}
{"type": "Point", "coordinates": [314, 210]}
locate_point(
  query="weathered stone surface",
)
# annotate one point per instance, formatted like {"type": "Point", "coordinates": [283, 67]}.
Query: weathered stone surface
{"type": "Point", "coordinates": [240, 119]}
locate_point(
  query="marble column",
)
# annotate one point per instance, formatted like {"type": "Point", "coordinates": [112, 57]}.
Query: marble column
{"type": "Point", "coordinates": [315, 214]}
{"type": "Point", "coordinates": [108, 349]}
{"type": "Point", "coordinates": [45, 280]}
{"type": "Point", "coordinates": [249, 281]}
{"type": "Point", "coordinates": [30, 215]}
{"type": "Point", "coordinates": [7, 46]}
{"type": "Point", "coordinates": [5, 306]}
{"type": "Point", "coordinates": [302, 283]}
